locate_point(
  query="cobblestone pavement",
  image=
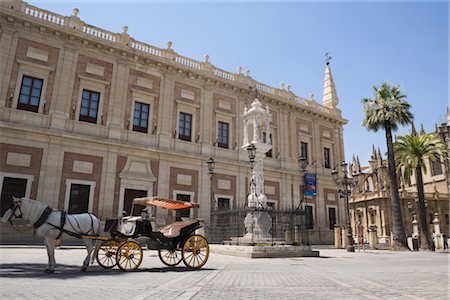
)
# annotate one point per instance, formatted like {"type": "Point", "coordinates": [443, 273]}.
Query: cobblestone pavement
{"type": "Point", "coordinates": [336, 274]}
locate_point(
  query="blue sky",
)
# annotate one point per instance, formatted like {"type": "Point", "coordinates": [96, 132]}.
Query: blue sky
{"type": "Point", "coordinates": [404, 42]}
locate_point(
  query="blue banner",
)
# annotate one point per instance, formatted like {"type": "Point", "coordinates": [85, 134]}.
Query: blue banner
{"type": "Point", "coordinates": [310, 184]}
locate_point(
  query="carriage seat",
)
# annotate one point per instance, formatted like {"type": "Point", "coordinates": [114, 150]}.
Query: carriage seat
{"type": "Point", "coordinates": [174, 229]}
{"type": "Point", "coordinates": [128, 225]}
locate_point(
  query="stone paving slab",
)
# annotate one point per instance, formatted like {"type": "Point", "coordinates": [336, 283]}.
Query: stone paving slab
{"type": "Point", "coordinates": [336, 274]}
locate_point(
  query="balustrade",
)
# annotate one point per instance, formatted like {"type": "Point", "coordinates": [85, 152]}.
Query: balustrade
{"type": "Point", "coordinates": [224, 74]}
{"type": "Point", "coordinates": [100, 33]}
{"type": "Point", "coordinates": [187, 62]}
{"type": "Point", "coordinates": [44, 15]}
{"type": "Point", "coordinates": [265, 88]}
{"type": "Point", "coordinates": [146, 48]}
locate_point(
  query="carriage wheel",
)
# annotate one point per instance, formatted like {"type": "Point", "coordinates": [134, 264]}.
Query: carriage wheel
{"type": "Point", "coordinates": [106, 256]}
{"type": "Point", "coordinates": [170, 258]}
{"type": "Point", "coordinates": [129, 256]}
{"type": "Point", "coordinates": [195, 251]}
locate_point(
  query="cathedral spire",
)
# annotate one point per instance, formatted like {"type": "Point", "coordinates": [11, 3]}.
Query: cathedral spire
{"type": "Point", "coordinates": [330, 98]}
{"type": "Point", "coordinates": [358, 165]}
{"type": "Point", "coordinates": [374, 153]}
{"type": "Point", "coordinates": [422, 131]}
{"type": "Point", "coordinates": [413, 129]}
{"type": "Point", "coordinates": [380, 158]}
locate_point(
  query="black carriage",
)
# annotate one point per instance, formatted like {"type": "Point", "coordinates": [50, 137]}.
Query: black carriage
{"type": "Point", "coordinates": [175, 242]}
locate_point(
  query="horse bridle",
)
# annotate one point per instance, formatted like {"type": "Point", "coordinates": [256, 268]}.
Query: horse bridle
{"type": "Point", "coordinates": [14, 207]}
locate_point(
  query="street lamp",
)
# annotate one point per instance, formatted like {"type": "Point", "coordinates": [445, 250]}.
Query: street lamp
{"type": "Point", "coordinates": [302, 170]}
{"type": "Point", "coordinates": [345, 184]}
{"type": "Point", "coordinates": [211, 163]}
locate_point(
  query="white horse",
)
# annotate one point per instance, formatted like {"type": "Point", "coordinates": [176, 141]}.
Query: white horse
{"type": "Point", "coordinates": [51, 225]}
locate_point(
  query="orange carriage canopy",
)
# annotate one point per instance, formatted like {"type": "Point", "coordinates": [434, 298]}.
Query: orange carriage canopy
{"type": "Point", "coordinates": [164, 203]}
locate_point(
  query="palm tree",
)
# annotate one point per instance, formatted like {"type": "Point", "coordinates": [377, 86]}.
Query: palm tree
{"type": "Point", "coordinates": [411, 151]}
{"type": "Point", "coordinates": [386, 111]}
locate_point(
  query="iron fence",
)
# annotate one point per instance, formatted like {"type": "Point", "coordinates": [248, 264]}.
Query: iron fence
{"type": "Point", "coordinates": [288, 226]}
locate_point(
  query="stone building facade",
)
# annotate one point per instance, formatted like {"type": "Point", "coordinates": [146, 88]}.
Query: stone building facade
{"type": "Point", "coordinates": [90, 119]}
{"type": "Point", "coordinates": [370, 202]}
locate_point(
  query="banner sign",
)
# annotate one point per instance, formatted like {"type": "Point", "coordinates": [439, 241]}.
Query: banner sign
{"type": "Point", "coordinates": [310, 184]}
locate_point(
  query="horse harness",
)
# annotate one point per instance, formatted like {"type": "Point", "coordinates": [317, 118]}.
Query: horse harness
{"type": "Point", "coordinates": [44, 216]}
{"type": "Point", "coordinates": [46, 213]}
{"type": "Point", "coordinates": [43, 219]}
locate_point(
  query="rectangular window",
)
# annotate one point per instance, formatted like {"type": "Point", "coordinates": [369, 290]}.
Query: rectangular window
{"type": "Point", "coordinates": [30, 94]}
{"type": "Point", "coordinates": [223, 130]}
{"type": "Point", "coordinates": [304, 151]}
{"type": "Point", "coordinates": [269, 153]}
{"type": "Point", "coordinates": [79, 198]}
{"type": "Point", "coordinates": [331, 217]}
{"type": "Point", "coordinates": [185, 127]}
{"type": "Point", "coordinates": [447, 219]}
{"type": "Point", "coordinates": [436, 166]}
{"type": "Point", "coordinates": [11, 187]}
{"type": "Point", "coordinates": [326, 158]}
{"type": "Point", "coordinates": [309, 217]}
{"type": "Point", "coordinates": [431, 217]}
{"type": "Point", "coordinates": [89, 106]}
{"type": "Point", "coordinates": [140, 119]}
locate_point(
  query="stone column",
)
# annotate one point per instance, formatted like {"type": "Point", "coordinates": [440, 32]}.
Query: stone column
{"type": "Point", "coordinates": [438, 243]}
{"type": "Point", "coordinates": [344, 237]}
{"type": "Point", "coordinates": [166, 110]}
{"type": "Point", "coordinates": [117, 97]}
{"type": "Point", "coordinates": [337, 237]}
{"type": "Point", "coordinates": [8, 43]}
{"type": "Point", "coordinates": [373, 237]}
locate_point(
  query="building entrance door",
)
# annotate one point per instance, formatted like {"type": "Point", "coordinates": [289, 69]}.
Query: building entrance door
{"type": "Point", "coordinates": [130, 194]}
{"type": "Point", "coordinates": [183, 213]}
{"type": "Point", "coordinates": [11, 187]}
{"type": "Point", "coordinates": [79, 198]}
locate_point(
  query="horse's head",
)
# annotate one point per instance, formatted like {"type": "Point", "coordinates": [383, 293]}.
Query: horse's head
{"type": "Point", "coordinates": [13, 211]}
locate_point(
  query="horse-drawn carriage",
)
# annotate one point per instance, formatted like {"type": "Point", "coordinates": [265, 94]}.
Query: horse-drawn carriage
{"type": "Point", "coordinates": [120, 243]}
{"type": "Point", "coordinates": [175, 242]}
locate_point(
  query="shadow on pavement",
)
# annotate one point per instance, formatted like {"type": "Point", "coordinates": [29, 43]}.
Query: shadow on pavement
{"type": "Point", "coordinates": [171, 269]}
{"type": "Point", "coordinates": [36, 271]}
{"type": "Point", "coordinates": [61, 272]}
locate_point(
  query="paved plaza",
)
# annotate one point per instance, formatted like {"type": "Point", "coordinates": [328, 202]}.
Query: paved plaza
{"type": "Point", "coordinates": [336, 274]}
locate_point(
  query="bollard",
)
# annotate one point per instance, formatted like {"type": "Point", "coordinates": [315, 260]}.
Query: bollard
{"type": "Point", "coordinates": [297, 235]}
{"type": "Point", "coordinates": [337, 237]}
{"type": "Point", "coordinates": [373, 237]}
{"type": "Point", "coordinates": [287, 236]}
{"type": "Point", "coordinates": [438, 243]}
{"type": "Point", "coordinates": [344, 237]}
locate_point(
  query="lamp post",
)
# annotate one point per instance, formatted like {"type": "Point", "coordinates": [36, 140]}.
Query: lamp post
{"type": "Point", "coordinates": [444, 132]}
{"type": "Point", "coordinates": [211, 163]}
{"type": "Point", "coordinates": [345, 184]}
{"type": "Point", "coordinates": [302, 170]}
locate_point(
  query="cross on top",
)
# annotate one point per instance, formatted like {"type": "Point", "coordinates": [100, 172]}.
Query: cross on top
{"type": "Point", "coordinates": [327, 58]}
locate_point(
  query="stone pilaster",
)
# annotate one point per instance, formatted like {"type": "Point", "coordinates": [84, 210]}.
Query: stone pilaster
{"type": "Point", "coordinates": [166, 109]}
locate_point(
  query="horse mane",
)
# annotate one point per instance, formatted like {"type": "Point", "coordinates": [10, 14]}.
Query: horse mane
{"type": "Point", "coordinates": [32, 208]}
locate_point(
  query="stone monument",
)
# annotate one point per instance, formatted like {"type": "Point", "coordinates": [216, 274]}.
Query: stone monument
{"type": "Point", "coordinates": [257, 137]}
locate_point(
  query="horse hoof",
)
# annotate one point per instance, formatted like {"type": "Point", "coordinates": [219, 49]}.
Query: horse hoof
{"type": "Point", "coordinates": [83, 269]}
{"type": "Point", "coordinates": [49, 271]}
